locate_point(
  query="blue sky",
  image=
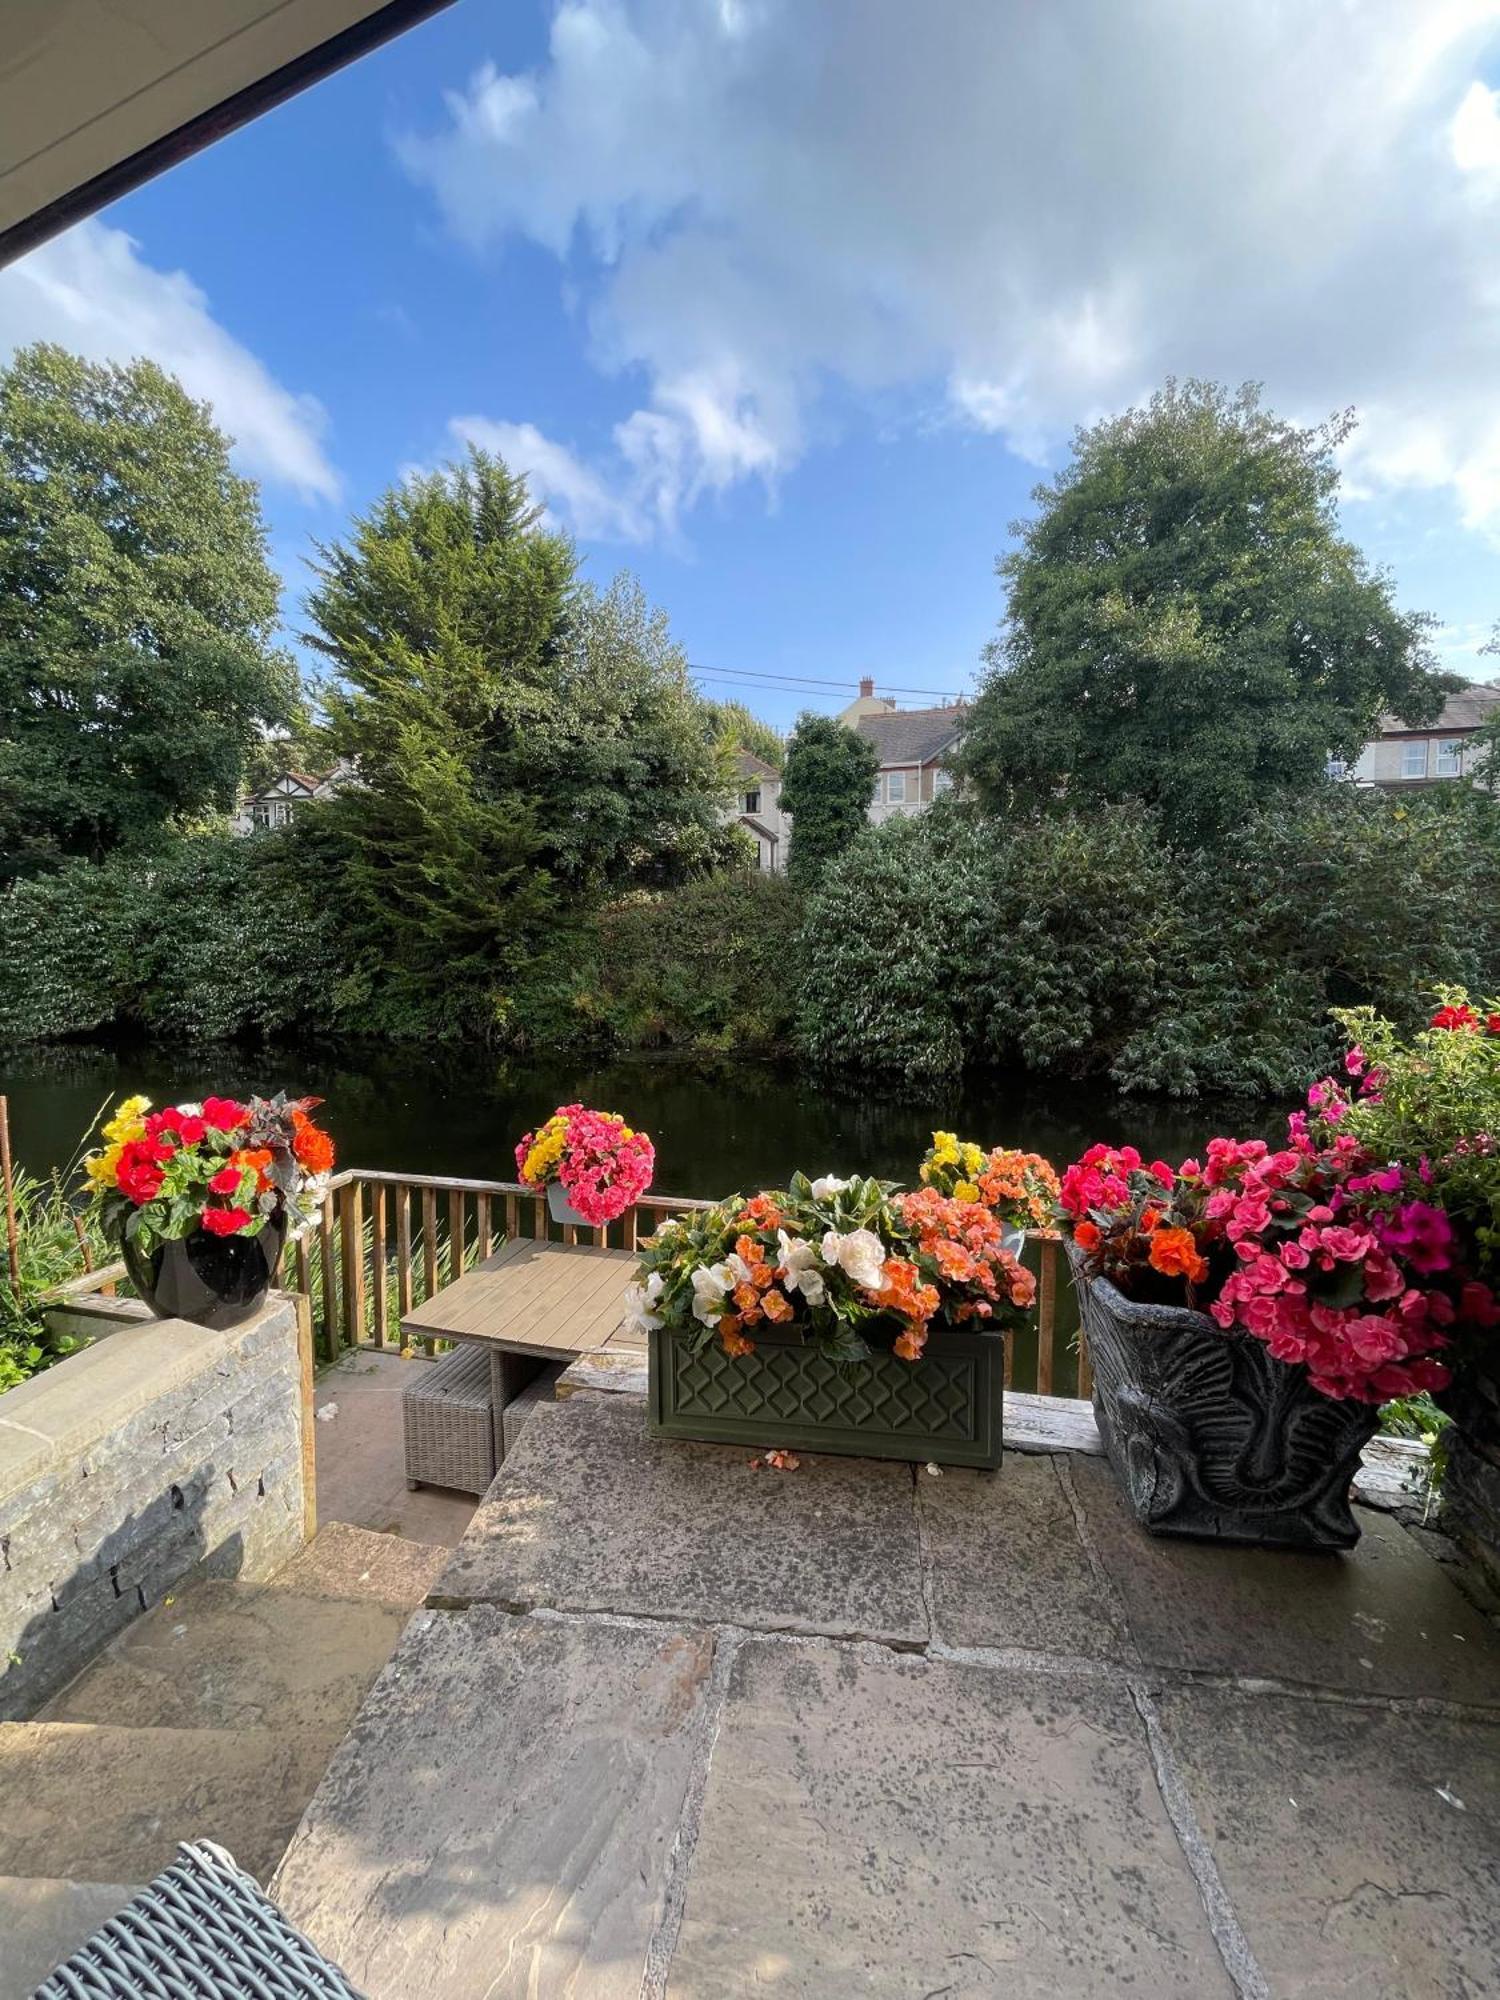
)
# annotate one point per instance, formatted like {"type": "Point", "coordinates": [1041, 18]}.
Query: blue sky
{"type": "Point", "coordinates": [788, 309]}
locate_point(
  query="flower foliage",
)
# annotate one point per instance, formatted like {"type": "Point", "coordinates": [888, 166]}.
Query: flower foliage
{"type": "Point", "coordinates": [1339, 1260]}
{"type": "Point", "coordinates": [1021, 1188]}
{"type": "Point", "coordinates": [844, 1262]}
{"type": "Point", "coordinates": [602, 1164]}
{"type": "Point", "coordinates": [221, 1165]}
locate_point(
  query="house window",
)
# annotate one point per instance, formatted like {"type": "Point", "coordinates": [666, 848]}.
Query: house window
{"type": "Point", "coordinates": [895, 788]}
{"type": "Point", "coordinates": [942, 781]}
{"type": "Point", "coordinates": [1336, 768]}
{"type": "Point", "coordinates": [1414, 760]}
{"type": "Point", "coordinates": [752, 801]}
{"type": "Point", "coordinates": [1450, 757]}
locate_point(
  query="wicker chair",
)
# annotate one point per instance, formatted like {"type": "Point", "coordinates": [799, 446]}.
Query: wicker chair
{"type": "Point", "coordinates": [203, 1930]}
{"type": "Point", "coordinates": [448, 1416]}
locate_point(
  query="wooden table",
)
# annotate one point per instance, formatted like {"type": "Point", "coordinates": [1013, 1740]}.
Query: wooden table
{"type": "Point", "coordinates": [532, 1302]}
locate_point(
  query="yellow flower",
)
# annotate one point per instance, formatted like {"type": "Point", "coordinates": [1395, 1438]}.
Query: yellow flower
{"type": "Point", "coordinates": [128, 1122]}
{"type": "Point", "coordinates": [944, 1149]}
{"type": "Point", "coordinates": [965, 1191]}
{"type": "Point", "coordinates": [100, 1167]}
{"type": "Point", "coordinates": [973, 1158]}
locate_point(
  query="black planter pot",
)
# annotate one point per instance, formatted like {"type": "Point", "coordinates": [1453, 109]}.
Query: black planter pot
{"type": "Point", "coordinates": [213, 1281]}
{"type": "Point", "coordinates": [1210, 1435]}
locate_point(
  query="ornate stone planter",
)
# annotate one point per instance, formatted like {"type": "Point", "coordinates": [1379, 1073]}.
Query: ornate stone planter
{"type": "Point", "coordinates": [945, 1409]}
{"type": "Point", "coordinates": [1210, 1435]}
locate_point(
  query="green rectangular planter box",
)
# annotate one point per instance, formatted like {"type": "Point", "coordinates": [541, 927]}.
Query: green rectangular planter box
{"type": "Point", "coordinates": [946, 1409]}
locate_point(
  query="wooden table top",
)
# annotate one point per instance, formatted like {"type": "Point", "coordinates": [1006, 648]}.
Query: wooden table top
{"type": "Point", "coordinates": [535, 1297]}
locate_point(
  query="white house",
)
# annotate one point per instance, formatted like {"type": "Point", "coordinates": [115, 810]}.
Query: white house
{"type": "Point", "coordinates": [758, 810]}
{"type": "Point", "coordinates": [1401, 756]}
{"type": "Point", "coordinates": [277, 803]}
{"type": "Point", "coordinates": [911, 744]}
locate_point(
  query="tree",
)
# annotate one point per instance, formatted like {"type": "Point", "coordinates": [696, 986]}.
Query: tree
{"type": "Point", "coordinates": [522, 743]}
{"type": "Point", "coordinates": [742, 729]}
{"type": "Point", "coordinates": [445, 618]}
{"type": "Point", "coordinates": [826, 787]}
{"type": "Point", "coordinates": [629, 785]}
{"type": "Point", "coordinates": [136, 610]}
{"type": "Point", "coordinates": [1186, 626]}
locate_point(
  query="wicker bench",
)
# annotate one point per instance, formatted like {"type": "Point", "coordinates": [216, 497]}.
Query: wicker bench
{"type": "Point", "coordinates": [203, 1930]}
{"type": "Point", "coordinates": [448, 1416]}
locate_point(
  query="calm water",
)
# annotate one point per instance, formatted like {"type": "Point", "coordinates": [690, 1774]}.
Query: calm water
{"type": "Point", "coordinates": [716, 1131]}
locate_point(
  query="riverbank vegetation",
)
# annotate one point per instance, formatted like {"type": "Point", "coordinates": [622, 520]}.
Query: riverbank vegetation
{"type": "Point", "coordinates": [1147, 874]}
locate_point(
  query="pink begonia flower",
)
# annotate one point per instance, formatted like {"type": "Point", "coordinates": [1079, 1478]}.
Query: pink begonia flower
{"type": "Point", "coordinates": [1477, 1304]}
{"type": "Point", "coordinates": [1354, 1062]}
{"type": "Point", "coordinates": [1292, 1255]}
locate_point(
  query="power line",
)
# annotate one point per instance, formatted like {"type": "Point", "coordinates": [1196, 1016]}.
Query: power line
{"type": "Point", "coordinates": [808, 681]}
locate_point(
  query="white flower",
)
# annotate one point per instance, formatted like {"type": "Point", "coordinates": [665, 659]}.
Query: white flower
{"type": "Point", "coordinates": [799, 1261]}
{"type": "Point", "coordinates": [738, 1266]}
{"type": "Point", "coordinates": [859, 1252]}
{"type": "Point", "coordinates": [829, 1184]}
{"type": "Point", "coordinates": [639, 1301]}
{"type": "Point", "coordinates": [710, 1283]}
{"type": "Point", "coordinates": [191, 1110]}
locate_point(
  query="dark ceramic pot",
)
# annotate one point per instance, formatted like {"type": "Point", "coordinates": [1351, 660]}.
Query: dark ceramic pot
{"type": "Point", "coordinates": [1210, 1435]}
{"type": "Point", "coordinates": [213, 1281]}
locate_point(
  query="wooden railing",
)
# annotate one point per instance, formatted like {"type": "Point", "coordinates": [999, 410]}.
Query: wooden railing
{"type": "Point", "coordinates": [385, 1242]}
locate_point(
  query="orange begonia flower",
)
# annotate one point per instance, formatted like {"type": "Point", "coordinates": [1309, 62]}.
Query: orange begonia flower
{"type": "Point", "coordinates": [777, 1306]}
{"type": "Point", "coordinates": [1175, 1255]}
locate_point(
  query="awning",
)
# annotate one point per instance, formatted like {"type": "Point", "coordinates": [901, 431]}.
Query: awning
{"type": "Point", "coordinates": [96, 96]}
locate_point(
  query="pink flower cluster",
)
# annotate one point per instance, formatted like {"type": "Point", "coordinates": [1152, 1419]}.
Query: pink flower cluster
{"type": "Point", "coordinates": [1316, 1274]}
{"type": "Point", "coordinates": [603, 1165]}
{"type": "Point", "coordinates": [1101, 1179]}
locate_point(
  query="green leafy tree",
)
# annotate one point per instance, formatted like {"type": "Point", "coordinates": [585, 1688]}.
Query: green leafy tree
{"type": "Point", "coordinates": [444, 617]}
{"type": "Point", "coordinates": [628, 785]}
{"type": "Point", "coordinates": [742, 729]}
{"type": "Point", "coordinates": [137, 607]}
{"type": "Point", "coordinates": [1187, 627]}
{"type": "Point", "coordinates": [827, 783]}
{"type": "Point", "coordinates": [522, 744]}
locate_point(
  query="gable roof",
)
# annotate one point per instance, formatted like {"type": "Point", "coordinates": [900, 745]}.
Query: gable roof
{"type": "Point", "coordinates": [913, 735]}
{"type": "Point", "coordinates": [758, 826]}
{"type": "Point", "coordinates": [748, 765]}
{"type": "Point", "coordinates": [1469, 708]}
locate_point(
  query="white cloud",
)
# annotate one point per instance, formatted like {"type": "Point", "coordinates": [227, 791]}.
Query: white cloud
{"type": "Point", "coordinates": [91, 291]}
{"type": "Point", "coordinates": [1025, 214]}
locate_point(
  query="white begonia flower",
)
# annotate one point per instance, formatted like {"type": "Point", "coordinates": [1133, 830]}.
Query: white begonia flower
{"type": "Point", "coordinates": [858, 1252]}
{"type": "Point", "coordinates": [191, 1110]}
{"type": "Point", "coordinates": [799, 1260]}
{"type": "Point", "coordinates": [640, 1301]}
{"type": "Point", "coordinates": [829, 1184]}
{"type": "Point", "coordinates": [710, 1283]}
{"type": "Point", "coordinates": [741, 1270]}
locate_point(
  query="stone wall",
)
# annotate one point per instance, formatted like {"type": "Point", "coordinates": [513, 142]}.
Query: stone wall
{"type": "Point", "coordinates": [164, 1450]}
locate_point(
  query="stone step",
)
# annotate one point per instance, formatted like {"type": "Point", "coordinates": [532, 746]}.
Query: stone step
{"type": "Point", "coordinates": [348, 1562]}
{"type": "Point", "coordinates": [87, 1802]}
{"type": "Point", "coordinates": [222, 1655]}
{"type": "Point", "coordinates": [43, 1921]}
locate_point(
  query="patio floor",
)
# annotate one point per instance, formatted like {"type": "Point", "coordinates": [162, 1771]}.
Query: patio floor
{"type": "Point", "coordinates": [675, 1726]}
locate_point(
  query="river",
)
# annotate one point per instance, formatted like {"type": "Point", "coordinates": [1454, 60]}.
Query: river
{"type": "Point", "coordinates": [729, 1128]}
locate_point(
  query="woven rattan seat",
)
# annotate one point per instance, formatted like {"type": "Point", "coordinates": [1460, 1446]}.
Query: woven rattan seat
{"type": "Point", "coordinates": [448, 1417]}
{"type": "Point", "coordinates": [203, 1930]}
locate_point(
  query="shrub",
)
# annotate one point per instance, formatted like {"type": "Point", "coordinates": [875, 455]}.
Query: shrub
{"type": "Point", "coordinates": [1085, 944]}
{"type": "Point", "coordinates": [709, 967]}
{"type": "Point", "coordinates": [209, 938]}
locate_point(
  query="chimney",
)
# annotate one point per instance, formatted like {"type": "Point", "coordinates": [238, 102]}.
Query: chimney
{"type": "Point", "coordinates": [866, 688]}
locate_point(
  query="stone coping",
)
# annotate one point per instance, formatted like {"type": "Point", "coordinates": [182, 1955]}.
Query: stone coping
{"type": "Point", "coordinates": [61, 1411]}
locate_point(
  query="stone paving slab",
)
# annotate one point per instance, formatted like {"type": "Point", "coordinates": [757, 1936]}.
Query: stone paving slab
{"type": "Point", "coordinates": [221, 1656]}
{"type": "Point", "coordinates": [904, 1827]}
{"type": "Point", "coordinates": [1384, 1619]}
{"type": "Point", "coordinates": [1351, 1874]}
{"type": "Point", "coordinates": [500, 1820]}
{"type": "Point", "coordinates": [1007, 1567]}
{"type": "Point", "coordinates": [590, 1514]}
{"type": "Point", "coordinates": [44, 1921]}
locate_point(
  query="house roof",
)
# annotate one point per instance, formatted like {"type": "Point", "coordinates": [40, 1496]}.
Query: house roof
{"type": "Point", "coordinates": [748, 765]}
{"type": "Point", "coordinates": [1469, 708]}
{"type": "Point", "coordinates": [758, 826]}
{"type": "Point", "coordinates": [913, 735]}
